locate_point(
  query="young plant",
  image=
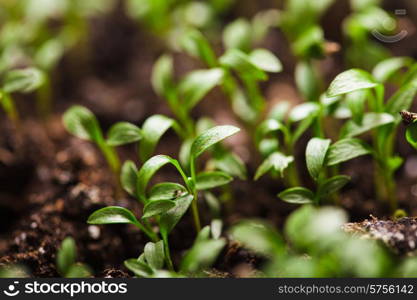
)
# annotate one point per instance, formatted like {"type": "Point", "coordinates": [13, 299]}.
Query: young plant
{"type": "Point", "coordinates": [307, 43]}
{"type": "Point", "coordinates": [359, 89]}
{"type": "Point", "coordinates": [167, 202]}
{"type": "Point", "coordinates": [182, 97]}
{"type": "Point", "coordinates": [18, 81]}
{"type": "Point", "coordinates": [250, 66]}
{"type": "Point", "coordinates": [367, 20]}
{"type": "Point", "coordinates": [82, 123]}
{"type": "Point", "coordinates": [276, 137]}
{"type": "Point", "coordinates": [206, 248]}
{"type": "Point", "coordinates": [66, 261]}
{"type": "Point", "coordinates": [319, 155]}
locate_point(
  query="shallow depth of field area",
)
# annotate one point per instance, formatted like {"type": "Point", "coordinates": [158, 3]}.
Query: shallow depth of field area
{"type": "Point", "coordinates": [217, 138]}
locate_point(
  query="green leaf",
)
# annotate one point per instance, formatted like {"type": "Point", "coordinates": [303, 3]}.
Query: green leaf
{"type": "Point", "coordinates": [230, 163]}
{"type": "Point", "coordinates": [211, 137]}
{"type": "Point", "coordinates": [66, 256]}
{"type": "Point", "coordinates": [112, 215]}
{"type": "Point", "coordinates": [149, 168]}
{"type": "Point", "coordinates": [212, 179]}
{"type": "Point", "coordinates": [123, 133]}
{"type": "Point", "coordinates": [152, 130]}
{"type": "Point", "coordinates": [23, 80]}
{"type": "Point", "coordinates": [402, 99]}
{"type": "Point", "coordinates": [369, 122]}
{"type": "Point", "coordinates": [310, 43]}
{"type": "Point", "coordinates": [216, 228]}
{"type": "Point", "coordinates": [162, 76]}
{"type": "Point", "coordinates": [140, 269]}
{"type": "Point", "coordinates": [157, 207]}
{"type": "Point", "coordinates": [81, 122]}
{"type": "Point", "coordinates": [303, 126]}
{"type": "Point", "coordinates": [128, 177]}
{"type": "Point", "coordinates": [316, 152]}
{"type": "Point", "coordinates": [411, 134]}
{"type": "Point", "coordinates": [155, 255]}
{"type": "Point", "coordinates": [356, 103]}
{"type": "Point", "coordinates": [297, 195]}
{"type": "Point", "coordinates": [269, 126]}
{"type": "Point", "coordinates": [384, 70]}
{"type": "Point", "coordinates": [345, 150]}
{"type": "Point", "coordinates": [167, 191]}
{"type": "Point", "coordinates": [302, 111]}
{"type": "Point", "coordinates": [332, 185]}
{"type": "Point", "coordinates": [241, 63]}
{"type": "Point", "coordinates": [168, 220]}
{"type": "Point", "coordinates": [197, 84]}
{"type": "Point", "coordinates": [202, 255]}
{"type": "Point", "coordinates": [307, 81]}
{"type": "Point", "coordinates": [276, 161]}
{"type": "Point", "coordinates": [196, 45]}
{"type": "Point", "coordinates": [265, 60]}
{"type": "Point", "coordinates": [78, 270]}
{"type": "Point", "coordinates": [238, 35]}
{"type": "Point", "coordinates": [259, 237]}
{"type": "Point", "coordinates": [350, 81]}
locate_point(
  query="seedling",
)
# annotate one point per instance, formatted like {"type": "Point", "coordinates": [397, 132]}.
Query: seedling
{"type": "Point", "coordinates": [307, 43]}
{"type": "Point", "coordinates": [319, 155]}
{"type": "Point", "coordinates": [202, 255]}
{"type": "Point", "coordinates": [360, 88]}
{"type": "Point", "coordinates": [367, 19]}
{"type": "Point", "coordinates": [18, 81]}
{"type": "Point", "coordinates": [167, 202]}
{"type": "Point", "coordinates": [185, 95]}
{"type": "Point", "coordinates": [82, 123]}
{"type": "Point", "coordinates": [66, 261]}
{"type": "Point", "coordinates": [250, 66]}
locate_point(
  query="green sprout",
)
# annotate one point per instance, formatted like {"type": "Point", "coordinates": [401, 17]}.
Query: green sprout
{"type": "Point", "coordinates": [167, 202]}
{"type": "Point", "coordinates": [27, 35]}
{"type": "Point", "coordinates": [206, 248]}
{"type": "Point", "coordinates": [360, 89]}
{"type": "Point", "coordinates": [320, 154]}
{"type": "Point", "coordinates": [18, 81]}
{"type": "Point", "coordinates": [367, 18]}
{"type": "Point", "coordinates": [240, 64]}
{"type": "Point", "coordinates": [66, 261]}
{"type": "Point", "coordinates": [307, 42]}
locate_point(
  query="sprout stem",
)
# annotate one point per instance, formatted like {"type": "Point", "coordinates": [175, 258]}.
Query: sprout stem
{"type": "Point", "coordinates": [168, 259]}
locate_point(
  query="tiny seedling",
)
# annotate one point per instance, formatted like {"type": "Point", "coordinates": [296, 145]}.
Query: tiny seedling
{"type": "Point", "coordinates": [167, 202]}
{"type": "Point", "coordinates": [319, 155]}
{"type": "Point", "coordinates": [206, 248]}
{"type": "Point", "coordinates": [82, 123]}
{"type": "Point", "coordinates": [66, 261]}
{"type": "Point", "coordinates": [18, 81]}
{"type": "Point", "coordinates": [251, 67]}
{"type": "Point", "coordinates": [359, 89]}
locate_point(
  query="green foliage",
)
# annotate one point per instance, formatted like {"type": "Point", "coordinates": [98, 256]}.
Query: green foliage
{"type": "Point", "coordinates": [66, 261]}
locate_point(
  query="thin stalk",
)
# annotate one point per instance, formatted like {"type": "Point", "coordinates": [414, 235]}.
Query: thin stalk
{"type": "Point", "coordinates": [44, 94]}
{"type": "Point", "coordinates": [113, 161]}
{"type": "Point", "coordinates": [168, 259]}
{"type": "Point", "coordinates": [150, 234]}
{"type": "Point", "coordinates": [194, 204]}
{"type": "Point", "coordinates": [9, 107]}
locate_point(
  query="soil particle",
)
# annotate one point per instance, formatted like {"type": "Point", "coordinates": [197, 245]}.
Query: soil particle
{"type": "Point", "coordinates": [400, 235]}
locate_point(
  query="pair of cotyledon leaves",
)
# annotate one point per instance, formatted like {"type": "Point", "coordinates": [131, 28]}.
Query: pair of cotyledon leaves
{"type": "Point", "coordinates": [168, 200]}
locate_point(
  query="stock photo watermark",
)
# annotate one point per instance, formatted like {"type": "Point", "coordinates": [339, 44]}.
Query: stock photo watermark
{"type": "Point", "coordinates": [389, 25]}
